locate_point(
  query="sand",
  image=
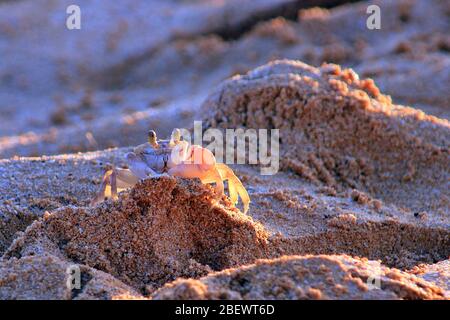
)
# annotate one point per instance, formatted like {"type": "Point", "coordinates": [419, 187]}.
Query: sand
{"type": "Point", "coordinates": [168, 228]}
{"type": "Point", "coordinates": [306, 277]}
{"type": "Point", "coordinates": [363, 187]}
{"type": "Point", "coordinates": [165, 228]}
{"type": "Point", "coordinates": [144, 242]}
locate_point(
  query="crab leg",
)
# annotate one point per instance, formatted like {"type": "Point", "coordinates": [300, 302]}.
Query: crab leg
{"type": "Point", "coordinates": [114, 181]}
{"type": "Point", "coordinates": [235, 186]}
{"type": "Point", "coordinates": [233, 192]}
{"type": "Point", "coordinates": [102, 193]}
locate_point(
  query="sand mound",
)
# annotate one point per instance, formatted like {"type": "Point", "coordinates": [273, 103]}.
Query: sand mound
{"type": "Point", "coordinates": [438, 273]}
{"type": "Point", "coordinates": [167, 228]}
{"type": "Point", "coordinates": [45, 277]}
{"type": "Point", "coordinates": [341, 131]}
{"type": "Point", "coordinates": [162, 229]}
{"type": "Point", "coordinates": [306, 277]}
{"type": "Point", "coordinates": [300, 217]}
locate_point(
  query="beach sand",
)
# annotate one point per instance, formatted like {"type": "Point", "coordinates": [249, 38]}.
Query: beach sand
{"type": "Point", "coordinates": [363, 187]}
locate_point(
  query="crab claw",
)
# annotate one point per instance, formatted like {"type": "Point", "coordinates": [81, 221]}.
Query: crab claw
{"type": "Point", "coordinates": [201, 164]}
{"type": "Point", "coordinates": [139, 168]}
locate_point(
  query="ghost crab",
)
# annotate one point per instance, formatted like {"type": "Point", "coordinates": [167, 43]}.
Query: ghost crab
{"type": "Point", "coordinates": [174, 157]}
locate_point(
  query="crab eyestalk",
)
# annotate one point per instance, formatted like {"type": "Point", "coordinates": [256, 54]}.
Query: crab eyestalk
{"type": "Point", "coordinates": [176, 136]}
{"type": "Point", "coordinates": [152, 138]}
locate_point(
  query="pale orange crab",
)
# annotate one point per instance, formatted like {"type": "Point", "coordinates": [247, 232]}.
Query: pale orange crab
{"type": "Point", "coordinates": [174, 157]}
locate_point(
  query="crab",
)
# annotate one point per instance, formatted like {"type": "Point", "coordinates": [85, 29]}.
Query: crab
{"type": "Point", "coordinates": [176, 158]}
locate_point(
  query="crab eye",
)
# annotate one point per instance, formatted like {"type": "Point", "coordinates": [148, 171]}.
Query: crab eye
{"type": "Point", "coordinates": [152, 138]}
{"type": "Point", "coordinates": [176, 135]}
